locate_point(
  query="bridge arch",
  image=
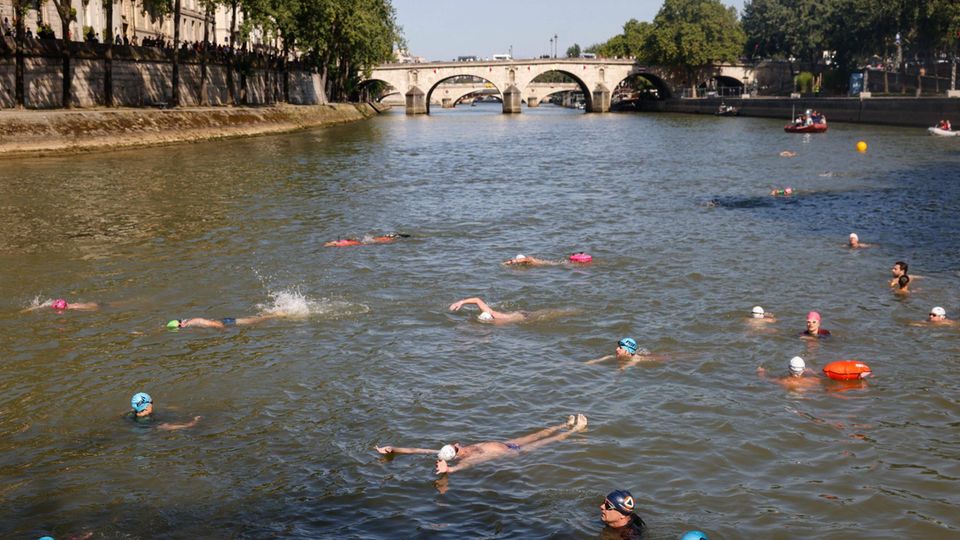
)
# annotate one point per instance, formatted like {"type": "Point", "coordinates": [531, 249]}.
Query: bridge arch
{"type": "Point", "coordinates": [386, 89]}
{"type": "Point", "coordinates": [532, 75]}
{"type": "Point", "coordinates": [457, 97]}
{"type": "Point", "coordinates": [663, 88]}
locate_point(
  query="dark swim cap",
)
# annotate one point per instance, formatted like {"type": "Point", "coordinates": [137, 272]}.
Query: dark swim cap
{"type": "Point", "coordinates": [622, 500]}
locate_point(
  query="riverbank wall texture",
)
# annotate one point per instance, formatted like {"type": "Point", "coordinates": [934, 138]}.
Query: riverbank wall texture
{"type": "Point", "coordinates": [141, 77]}
{"type": "Point", "coordinates": [32, 133]}
{"type": "Point", "coordinates": [896, 111]}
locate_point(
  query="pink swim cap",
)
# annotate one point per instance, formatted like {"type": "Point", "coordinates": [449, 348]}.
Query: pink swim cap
{"type": "Point", "coordinates": [59, 304]}
{"type": "Point", "coordinates": [813, 316]}
{"type": "Point", "coordinates": [581, 258]}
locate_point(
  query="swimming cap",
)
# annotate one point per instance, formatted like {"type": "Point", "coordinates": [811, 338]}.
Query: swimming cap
{"type": "Point", "coordinates": [45, 538]}
{"type": "Point", "coordinates": [520, 257]}
{"type": "Point", "coordinates": [853, 236]}
{"type": "Point", "coordinates": [757, 312]}
{"type": "Point", "coordinates": [628, 344]}
{"type": "Point", "coordinates": [813, 316]}
{"type": "Point", "coordinates": [174, 324]}
{"type": "Point", "coordinates": [485, 316]}
{"type": "Point", "coordinates": [938, 311]}
{"type": "Point", "coordinates": [797, 365]}
{"type": "Point", "coordinates": [447, 453]}
{"type": "Point", "coordinates": [59, 304]}
{"type": "Point", "coordinates": [140, 400]}
{"type": "Point", "coordinates": [693, 535]}
{"type": "Point", "coordinates": [788, 191]}
{"type": "Point", "coordinates": [581, 257]}
{"type": "Point", "coordinates": [622, 500]}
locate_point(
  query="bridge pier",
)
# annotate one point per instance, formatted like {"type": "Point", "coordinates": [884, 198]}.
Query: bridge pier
{"type": "Point", "coordinates": [511, 100]}
{"type": "Point", "coordinates": [601, 99]}
{"type": "Point", "coordinates": [446, 103]}
{"type": "Point", "coordinates": [533, 102]}
{"type": "Point", "coordinates": [416, 101]}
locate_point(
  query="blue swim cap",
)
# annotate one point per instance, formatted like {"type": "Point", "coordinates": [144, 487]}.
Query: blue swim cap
{"type": "Point", "coordinates": [629, 344]}
{"type": "Point", "coordinates": [140, 400]}
{"type": "Point", "coordinates": [45, 538]}
{"type": "Point", "coordinates": [693, 535]}
{"type": "Point", "coordinates": [622, 501]}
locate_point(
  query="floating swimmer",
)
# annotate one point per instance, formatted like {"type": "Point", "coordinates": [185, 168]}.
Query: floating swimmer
{"type": "Point", "coordinates": [524, 260]}
{"type": "Point", "coordinates": [785, 192]}
{"type": "Point", "coordinates": [758, 315]}
{"type": "Point", "coordinates": [142, 413]}
{"type": "Point", "coordinates": [472, 454]}
{"type": "Point", "coordinates": [628, 353]}
{"type": "Point", "coordinates": [796, 378]}
{"type": "Point", "coordinates": [60, 305]}
{"type": "Point", "coordinates": [488, 315]}
{"type": "Point", "coordinates": [936, 317]}
{"type": "Point", "coordinates": [367, 240]}
{"type": "Point", "coordinates": [787, 153]}
{"type": "Point", "coordinates": [220, 324]}
{"type": "Point", "coordinates": [855, 243]}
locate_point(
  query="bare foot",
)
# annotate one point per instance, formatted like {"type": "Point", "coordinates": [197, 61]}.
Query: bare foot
{"type": "Point", "coordinates": [581, 423]}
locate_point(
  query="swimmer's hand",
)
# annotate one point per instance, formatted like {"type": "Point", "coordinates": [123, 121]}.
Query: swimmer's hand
{"type": "Point", "coordinates": [442, 467]}
{"type": "Point", "coordinates": [384, 449]}
{"type": "Point", "coordinates": [456, 306]}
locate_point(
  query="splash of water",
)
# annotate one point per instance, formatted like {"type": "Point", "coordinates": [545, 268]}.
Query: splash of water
{"type": "Point", "coordinates": [293, 303]}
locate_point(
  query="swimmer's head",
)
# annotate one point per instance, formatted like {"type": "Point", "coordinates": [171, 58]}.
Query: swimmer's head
{"type": "Point", "coordinates": [581, 257]}
{"type": "Point", "coordinates": [140, 401]}
{"type": "Point", "coordinates": [485, 316]}
{"type": "Point", "coordinates": [693, 535]}
{"type": "Point", "coordinates": [175, 323]}
{"type": "Point", "coordinates": [788, 191]}
{"type": "Point", "coordinates": [59, 304]}
{"type": "Point", "coordinates": [813, 316]}
{"type": "Point", "coordinates": [447, 453]}
{"type": "Point", "coordinates": [797, 365]}
{"type": "Point", "coordinates": [519, 257]}
{"type": "Point", "coordinates": [854, 237]}
{"type": "Point", "coordinates": [629, 345]}
{"type": "Point", "coordinates": [938, 313]}
{"type": "Point", "coordinates": [620, 500]}
{"type": "Point", "coordinates": [757, 312]}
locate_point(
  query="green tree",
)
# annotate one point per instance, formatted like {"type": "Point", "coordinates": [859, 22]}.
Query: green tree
{"type": "Point", "coordinates": [573, 51]}
{"type": "Point", "coordinates": [631, 43]}
{"type": "Point", "coordinates": [67, 15]}
{"type": "Point", "coordinates": [690, 36]}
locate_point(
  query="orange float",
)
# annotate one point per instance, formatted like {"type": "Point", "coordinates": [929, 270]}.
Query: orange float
{"type": "Point", "coordinates": [847, 370]}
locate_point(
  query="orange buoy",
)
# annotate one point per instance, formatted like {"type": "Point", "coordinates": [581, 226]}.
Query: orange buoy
{"type": "Point", "coordinates": [847, 370]}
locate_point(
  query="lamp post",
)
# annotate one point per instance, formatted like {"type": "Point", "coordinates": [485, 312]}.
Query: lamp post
{"type": "Point", "coordinates": [556, 45]}
{"type": "Point", "coordinates": [551, 48]}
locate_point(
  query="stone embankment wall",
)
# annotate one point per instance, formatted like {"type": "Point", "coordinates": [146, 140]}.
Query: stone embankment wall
{"type": "Point", "coordinates": [905, 111]}
{"type": "Point", "coordinates": [55, 132]}
{"type": "Point", "coordinates": [141, 77]}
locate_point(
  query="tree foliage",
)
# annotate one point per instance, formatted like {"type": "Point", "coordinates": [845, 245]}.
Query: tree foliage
{"type": "Point", "coordinates": [573, 51]}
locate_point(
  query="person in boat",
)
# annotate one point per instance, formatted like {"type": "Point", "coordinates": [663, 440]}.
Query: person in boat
{"type": "Point", "coordinates": [795, 379]}
{"type": "Point", "coordinates": [944, 125]}
{"type": "Point", "coordinates": [472, 454]}
{"type": "Point", "coordinates": [808, 118]}
{"type": "Point", "coordinates": [900, 281]}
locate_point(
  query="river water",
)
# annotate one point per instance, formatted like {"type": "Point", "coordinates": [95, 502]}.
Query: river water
{"type": "Point", "coordinates": [685, 238]}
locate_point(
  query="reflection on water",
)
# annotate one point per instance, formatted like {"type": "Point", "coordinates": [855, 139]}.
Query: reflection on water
{"type": "Point", "coordinates": [293, 407]}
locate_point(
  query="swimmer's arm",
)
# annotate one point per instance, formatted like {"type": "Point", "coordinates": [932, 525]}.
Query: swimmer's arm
{"type": "Point", "coordinates": [443, 468]}
{"type": "Point", "coordinates": [396, 450]}
{"type": "Point", "coordinates": [202, 323]}
{"type": "Point", "coordinates": [472, 300]}
{"type": "Point", "coordinates": [170, 427]}
{"type": "Point", "coordinates": [601, 359]}
{"type": "Point", "coordinates": [762, 372]}
{"type": "Point", "coordinates": [86, 306]}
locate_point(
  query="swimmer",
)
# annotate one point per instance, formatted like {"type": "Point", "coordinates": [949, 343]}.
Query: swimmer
{"type": "Point", "coordinates": [758, 315]}
{"type": "Point", "coordinates": [900, 280]}
{"type": "Point", "coordinates": [787, 153]}
{"type": "Point", "coordinates": [855, 243]}
{"type": "Point", "coordinates": [628, 353]}
{"type": "Point", "coordinates": [936, 317]}
{"type": "Point", "coordinates": [813, 326]}
{"type": "Point", "coordinates": [385, 239]}
{"type": "Point", "coordinates": [220, 324]}
{"type": "Point", "coordinates": [795, 380]}
{"type": "Point", "coordinates": [61, 305]}
{"type": "Point", "coordinates": [785, 192]}
{"type": "Point", "coordinates": [524, 260]}
{"type": "Point", "coordinates": [488, 315]}
{"type": "Point", "coordinates": [618, 514]}
{"type": "Point", "coordinates": [473, 454]}
{"type": "Point", "coordinates": [142, 413]}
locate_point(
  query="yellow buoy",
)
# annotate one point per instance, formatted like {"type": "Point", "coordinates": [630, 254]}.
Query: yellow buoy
{"type": "Point", "coordinates": [861, 146]}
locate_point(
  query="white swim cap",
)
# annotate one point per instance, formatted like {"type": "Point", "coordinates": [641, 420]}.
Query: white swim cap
{"type": "Point", "coordinates": [485, 316]}
{"type": "Point", "coordinates": [757, 312]}
{"type": "Point", "coordinates": [854, 236]}
{"type": "Point", "coordinates": [520, 257]}
{"type": "Point", "coordinates": [797, 365]}
{"type": "Point", "coordinates": [447, 453]}
{"type": "Point", "coordinates": [938, 311]}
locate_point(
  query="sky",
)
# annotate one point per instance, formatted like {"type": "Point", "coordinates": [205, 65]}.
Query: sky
{"type": "Point", "coordinates": [446, 29]}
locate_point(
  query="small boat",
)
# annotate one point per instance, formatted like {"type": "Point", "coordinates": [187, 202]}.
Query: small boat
{"type": "Point", "coordinates": [727, 110]}
{"type": "Point", "coordinates": [811, 128]}
{"type": "Point", "coordinates": [943, 132]}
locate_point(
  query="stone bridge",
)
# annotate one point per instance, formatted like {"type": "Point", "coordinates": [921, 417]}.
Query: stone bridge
{"type": "Point", "coordinates": [513, 79]}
